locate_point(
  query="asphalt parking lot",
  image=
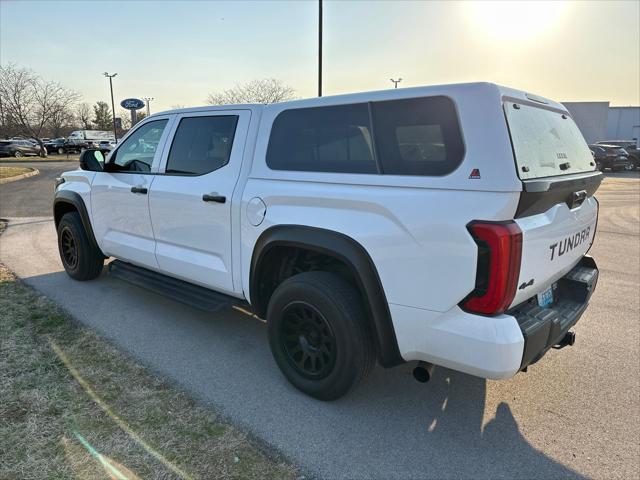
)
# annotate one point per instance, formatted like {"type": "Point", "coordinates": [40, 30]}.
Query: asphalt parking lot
{"type": "Point", "coordinates": [32, 197]}
{"type": "Point", "coordinates": [576, 414]}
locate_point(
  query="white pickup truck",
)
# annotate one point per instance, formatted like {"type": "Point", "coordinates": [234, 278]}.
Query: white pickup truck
{"type": "Point", "coordinates": [447, 225]}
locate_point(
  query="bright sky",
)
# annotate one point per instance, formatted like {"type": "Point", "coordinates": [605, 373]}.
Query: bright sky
{"type": "Point", "coordinates": [179, 51]}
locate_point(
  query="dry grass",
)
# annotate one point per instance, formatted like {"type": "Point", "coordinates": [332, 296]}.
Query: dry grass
{"type": "Point", "coordinates": [6, 172]}
{"type": "Point", "coordinates": [72, 406]}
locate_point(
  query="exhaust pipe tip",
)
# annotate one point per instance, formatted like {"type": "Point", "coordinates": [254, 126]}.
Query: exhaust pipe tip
{"type": "Point", "coordinates": [423, 372]}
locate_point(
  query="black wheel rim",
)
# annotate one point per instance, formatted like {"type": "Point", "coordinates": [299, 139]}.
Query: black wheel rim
{"type": "Point", "coordinates": [307, 340]}
{"type": "Point", "coordinates": [69, 248]}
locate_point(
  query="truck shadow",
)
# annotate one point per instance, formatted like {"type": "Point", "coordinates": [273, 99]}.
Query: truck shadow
{"type": "Point", "coordinates": [455, 432]}
{"type": "Point", "coordinates": [390, 426]}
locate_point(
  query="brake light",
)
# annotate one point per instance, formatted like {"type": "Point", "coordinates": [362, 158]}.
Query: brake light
{"type": "Point", "coordinates": [499, 257]}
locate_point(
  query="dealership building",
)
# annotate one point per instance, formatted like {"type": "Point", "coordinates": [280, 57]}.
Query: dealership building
{"type": "Point", "coordinates": [600, 121]}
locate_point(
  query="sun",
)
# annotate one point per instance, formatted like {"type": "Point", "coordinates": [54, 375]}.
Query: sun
{"type": "Point", "coordinates": [514, 20]}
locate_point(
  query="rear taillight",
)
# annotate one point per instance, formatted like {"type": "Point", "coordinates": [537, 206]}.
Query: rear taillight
{"type": "Point", "coordinates": [499, 256]}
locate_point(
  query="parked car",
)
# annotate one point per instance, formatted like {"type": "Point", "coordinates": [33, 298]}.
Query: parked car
{"type": "Point", "coordinates": [32, 140]}
{"type": "Point", "coordinates": [19, 148]}
{"type": "Point", "coordinates": [55, 145]}
{"type": "Point", "coordinates": [443, 225]}
{"type": "Point", "coordinates": [79, 140]}
{"type": "Point", "coordinates": [75, 147]}
{"type": "Point", "coordinates": [106, 145]}
{"type": "Point", "coordinates": [610, 156]}
{"type": "Point", "coordinates": [631, 147]}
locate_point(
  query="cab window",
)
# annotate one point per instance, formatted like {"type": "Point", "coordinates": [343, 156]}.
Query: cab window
{"type": "Point", "coordinates": [137, 151]}
{"type": "Point", "coordinates": [323, 139]}
{"type": "Point", "coordinates": [201, 145]}
{"type": "Point", "coordinates": [415, 136]}
{"type": "Point", "coordinates": [418, 136]}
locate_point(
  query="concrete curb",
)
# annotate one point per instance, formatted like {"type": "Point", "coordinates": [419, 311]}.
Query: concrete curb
{"type": "Point", "coordinates": [32, 173]}
{"type": "Point", "coordinates": [29, 160]}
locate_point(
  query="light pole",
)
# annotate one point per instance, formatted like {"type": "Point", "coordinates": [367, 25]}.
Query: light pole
{"type": "Point", "coordinates": [319, 48]}
{"type": "Point", "coordinates": [395, 82]}
{"type": "Point", "coordinates": [147, 100]}
{"type": "Point", "coordinates": [113, 106]}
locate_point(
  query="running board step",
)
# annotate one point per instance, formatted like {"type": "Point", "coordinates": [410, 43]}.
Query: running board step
{"type": "Point", "coordinates": [181, 291]}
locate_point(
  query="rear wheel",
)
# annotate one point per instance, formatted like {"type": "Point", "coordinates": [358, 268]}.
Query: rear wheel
{"type": "Point", "coordinates": [80, 259]}
{"type": "Point", "coordinates": [60, 151]}
{"type": "Point", "coordinates": [318, 334]}
{"type": "Point", "coordinates": [18, 154]}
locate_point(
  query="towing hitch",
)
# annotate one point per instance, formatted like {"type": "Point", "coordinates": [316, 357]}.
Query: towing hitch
{"type": "Point", "coordinates": [568, 340]}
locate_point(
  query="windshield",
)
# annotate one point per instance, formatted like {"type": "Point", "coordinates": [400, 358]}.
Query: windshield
{"type": "Point", "coordinates": [546, 142]}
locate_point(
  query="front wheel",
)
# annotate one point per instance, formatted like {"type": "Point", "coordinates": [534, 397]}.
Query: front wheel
{"type": "Point", "coordinates": [61, 151]}
{"type": "Point", "coordinates": [18, 154]}
{"type": "Point", "coordinates": [80, 259]}
{"type": "Point", "coordinates": [319, 335]}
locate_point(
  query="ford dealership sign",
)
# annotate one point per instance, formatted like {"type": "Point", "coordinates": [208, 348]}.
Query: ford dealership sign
{"type": "Point", "coordinates": [132, 104]}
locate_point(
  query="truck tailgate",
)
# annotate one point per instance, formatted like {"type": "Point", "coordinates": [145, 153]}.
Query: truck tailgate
{"type": "Point", "coordinates": [553, 242]}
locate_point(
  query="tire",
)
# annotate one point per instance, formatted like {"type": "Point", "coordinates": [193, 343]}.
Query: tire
{"type": "Point", "coordinates": [318, 334]}
{"type": "Point", "coordinates": [80, 259]}
{"type": "Point", "coordinates": [61, 151]}
{"type": "Point", "coordinates": [18, 154]}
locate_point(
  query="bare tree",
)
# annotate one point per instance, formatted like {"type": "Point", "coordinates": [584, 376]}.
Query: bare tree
{"type": "Point", "coordinates": [59, 121]}
{"type": "Point", "coordinates": [125, 118]}
{"type": "Point", "coordinates": [268, 90]}
{"type": "Point", "coordinates": [83, 115]}
{"type": "Point", "coordinates": [29, 102]}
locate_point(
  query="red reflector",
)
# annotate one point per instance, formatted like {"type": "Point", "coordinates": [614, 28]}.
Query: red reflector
{"type": "Point", "coordinates": [499, 256]}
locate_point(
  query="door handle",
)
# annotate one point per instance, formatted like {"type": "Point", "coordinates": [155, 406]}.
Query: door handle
{"type": "Point", "coordinates": [214, 198]}
{"type": "Point", "coordinates": [141, 190]}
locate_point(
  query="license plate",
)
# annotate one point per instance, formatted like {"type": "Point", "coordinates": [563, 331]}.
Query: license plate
{"type": "Point", "coordinates": [546, 298]}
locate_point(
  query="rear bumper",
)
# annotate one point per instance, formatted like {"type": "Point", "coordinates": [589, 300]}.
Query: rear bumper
{"type": "Point", "coordinates": [542, 328]}
{"type": "Point", "coordinates": [487, 347]}
{"type": "Point", "coordinates": [494, 347]}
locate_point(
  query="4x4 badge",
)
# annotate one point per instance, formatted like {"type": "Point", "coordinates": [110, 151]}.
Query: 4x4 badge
{"type": "Point", "coordinates": [524, 285]}
{"type": "Point", "coordinates": [475, 173]}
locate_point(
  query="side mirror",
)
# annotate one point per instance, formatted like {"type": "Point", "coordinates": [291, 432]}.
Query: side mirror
{"type": "Point", "coordinates": [92, 160]}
